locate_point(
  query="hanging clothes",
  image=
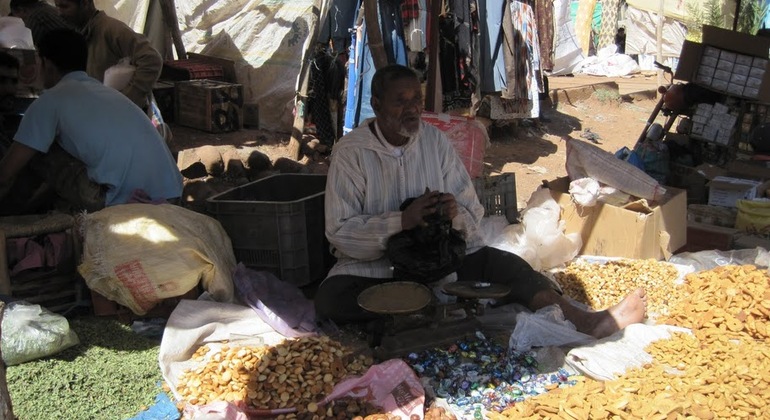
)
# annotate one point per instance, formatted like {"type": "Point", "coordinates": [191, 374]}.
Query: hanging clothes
{"type": "Point", "coordinates": [546, 29]}
{"type": "Point", "coordinates": [336, 28]}
{"type": "Point", "coordinates": [414, 14]}
{"type": "Point", "coordinates": [521, 52]}
{"type": "Point", "coordinates": [361, 67]}
{"type": "Point", "coordinates": [583, 22]}
{"type": "Point", "coordinates": [492, 66]}
{"type": "Point", "coordinates": [609, 26]}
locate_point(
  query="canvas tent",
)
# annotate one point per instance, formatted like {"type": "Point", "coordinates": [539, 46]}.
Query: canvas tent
{"type": "Point", "coordinates": [267, 40]}
{"type": "Point", "coordinates": [641, 22]}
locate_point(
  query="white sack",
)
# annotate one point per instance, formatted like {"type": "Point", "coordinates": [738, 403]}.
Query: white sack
{"type": "Point", "coordinates": [604, 359]}
{"type": "Point", "coordinates": [140, 254]}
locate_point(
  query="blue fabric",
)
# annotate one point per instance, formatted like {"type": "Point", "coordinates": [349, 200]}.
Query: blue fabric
{"type": "Point", "coordinates": [102, 128]}
{"type": "Point", "coordinates": [630, 156]}
{"type": "Point", "coordinates": [163, 409]}
{"type": "Point", "coordinates": [361, 68]}
{"type": "Point", "coordinates": [492, 64]}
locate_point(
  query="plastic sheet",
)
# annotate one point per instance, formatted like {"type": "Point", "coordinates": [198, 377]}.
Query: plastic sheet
{"type": "Point", "coordinates": [539, 239]}
{"type": "Point", "coordinates": [545, 327]}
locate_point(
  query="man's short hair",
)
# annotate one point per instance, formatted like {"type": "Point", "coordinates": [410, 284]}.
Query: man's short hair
{"type": "Point", "coordinates": [387, 74]}
{"type": "Point", "coordinates": [18, 4]}
{"type": "Point", "coordinates": [65, 48]}
{"type": "Point", "coordinates": [9, 61]}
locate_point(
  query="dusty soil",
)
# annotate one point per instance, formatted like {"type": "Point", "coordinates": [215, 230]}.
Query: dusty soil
{"type": "Point", "coordinates": [532, 149]}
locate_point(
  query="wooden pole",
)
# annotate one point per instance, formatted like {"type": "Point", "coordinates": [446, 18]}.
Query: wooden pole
{"type": "Point", "coordinates": [300, 101]}
{"type": "Point", "coordinates": [5, 277]}
{"type": "Point", "coordinates": [432, 90]}
{"type": "Point", "coordinates": [737, 13]}
{"type": "Point", "coordinates": [659, 39]}
{"type": "Point", "coordinates": [374, 34]}
{"type": "Point", "coordinates": [6, 409]}
{"type": "Point", "coordinates": [168, 8]}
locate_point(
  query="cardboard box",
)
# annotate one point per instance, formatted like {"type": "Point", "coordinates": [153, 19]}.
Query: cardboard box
{"type": "Point", "coordinates": [739, 42]}
{"type": "Point", "coordinates": [209, 105]}
{"type": "Point", "coordinates": [729, 43]}
{"type": "Point", "coordinates": [726, 191]}
{"type": "Point", "coordinates": [704, 237]}
{"type": "Point", "coordinates": [688, 178]}
{"type": "Point", "coordinates": [636, 230]}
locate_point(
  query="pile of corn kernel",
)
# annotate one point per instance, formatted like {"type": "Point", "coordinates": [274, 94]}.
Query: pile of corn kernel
{"type": "Point", "coordinates": [294, 373]}
{"type": "Point", "coordinates": [719, 371]}
{"type": "Point", "coordinates": [603, 285]}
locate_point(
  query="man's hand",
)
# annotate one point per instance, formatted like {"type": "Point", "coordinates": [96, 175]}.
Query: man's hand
{"type": "Point", "coordinates": [422, 206]}
{"type": "Point", "coordinates": [447, 206]}
{"type": "Point", "coordinates": [431, 202]}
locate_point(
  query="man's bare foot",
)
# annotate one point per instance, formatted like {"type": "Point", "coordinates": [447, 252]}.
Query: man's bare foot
{"type": "Point", "coordinates": [631, 310]}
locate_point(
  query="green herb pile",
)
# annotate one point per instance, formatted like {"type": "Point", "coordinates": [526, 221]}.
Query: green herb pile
{"type": "Point", "coordinates": [112, 374]}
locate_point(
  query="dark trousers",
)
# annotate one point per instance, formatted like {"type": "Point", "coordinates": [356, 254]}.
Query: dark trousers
{"type": "Point", "coordinates": [65, 178]}
{"type": "Point", "coordinates": [337, 296]}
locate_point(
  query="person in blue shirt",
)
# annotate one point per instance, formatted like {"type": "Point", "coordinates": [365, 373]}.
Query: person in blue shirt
{"type": "Point", "coordinates": [88, 142]}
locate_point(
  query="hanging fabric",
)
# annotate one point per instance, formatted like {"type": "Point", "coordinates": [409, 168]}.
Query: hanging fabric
{"type": "Point", "coordinates": [609, 26]}
{"type": "Point", "coordinates": [414, 13]}
{"type": "Point", "coordinates": [545, 32]}
{"type": "Point", "coordinates": [583, 21]}
{"type": "Point", "coordinates": [361, 67]}
{"type": "Point", "coordinates": [521, 51]}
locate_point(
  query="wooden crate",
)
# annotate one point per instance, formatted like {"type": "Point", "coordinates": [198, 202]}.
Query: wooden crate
{"type": "Point", "coordinates": [209, 105]}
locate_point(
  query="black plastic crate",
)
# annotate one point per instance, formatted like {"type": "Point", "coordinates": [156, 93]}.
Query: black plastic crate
{"type": "Point", "coordinates": [277, 224]}
{"type": "Point", "coordinates": [497, 193]}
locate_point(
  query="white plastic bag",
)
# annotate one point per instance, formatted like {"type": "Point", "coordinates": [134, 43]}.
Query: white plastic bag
{"type": "Point", "coordinates": [13, 33]}
{"type": "Point", "coordinates": [539, 239]}
{"type": "Point", "coordinates": [584, 191]}
{"type": "Point", "coordinates": [31, 332]}
{"type": "Point", "coordinates": [119, 75]}
{"type": "Point", "coordinates": [545, 327]}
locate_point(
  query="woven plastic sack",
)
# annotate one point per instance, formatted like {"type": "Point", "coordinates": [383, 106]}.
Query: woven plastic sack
{"type": "Point", "coordinates": [468, 137]}
{"type": "Point", "coordinates": [586, 160]}
{"type": "Point", "coordinates": [753, 216]}
{"type": "Point", "coordinates": [139, 254]}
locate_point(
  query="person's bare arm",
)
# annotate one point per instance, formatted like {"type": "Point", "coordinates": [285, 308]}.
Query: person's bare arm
{"type": "Point", "coordinates": [13, 162]}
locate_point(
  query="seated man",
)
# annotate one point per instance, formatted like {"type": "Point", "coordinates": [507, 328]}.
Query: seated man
{"type": "Point", "coordinates": [394, 157]}
{"type": "Point", "coordinates": [90, 144]}
{"type": "Point", "coordinates": [110, 40]}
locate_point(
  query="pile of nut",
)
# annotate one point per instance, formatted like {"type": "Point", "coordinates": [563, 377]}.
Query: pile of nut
{"type": "Point", "coordinates": [601, 285]}
{"type": "Point", "coordinates": [294, 373]}
{"type": "Point", "coordinates": [719, 371]}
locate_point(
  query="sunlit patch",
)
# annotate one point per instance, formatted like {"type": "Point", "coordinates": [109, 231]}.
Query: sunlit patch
{"type": "Point", "coordinates": [146, 228]}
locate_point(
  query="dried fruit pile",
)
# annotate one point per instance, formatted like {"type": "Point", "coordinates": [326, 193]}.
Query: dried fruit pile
{"type": "Point", "coordinates": [295, 373]}
{"type": "Point", "coordinates": [719, 371]}
{"type": "Point", "coordinates": [603, 285]}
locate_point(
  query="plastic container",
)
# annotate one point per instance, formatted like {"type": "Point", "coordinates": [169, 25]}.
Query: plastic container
{"type": "Point", "coordinates": [277, 224]}
{"type": "Point", "coordinates": [497, 193]}
{"type": "Point", "coordinates": [468, 137]}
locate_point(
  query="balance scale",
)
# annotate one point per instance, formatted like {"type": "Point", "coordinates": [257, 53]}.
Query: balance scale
{"type": "Point", "coordinates": [411, 320]}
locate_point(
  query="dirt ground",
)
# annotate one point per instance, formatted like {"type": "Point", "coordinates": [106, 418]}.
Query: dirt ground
{"type": "Point", "coordinates": [607, 110]}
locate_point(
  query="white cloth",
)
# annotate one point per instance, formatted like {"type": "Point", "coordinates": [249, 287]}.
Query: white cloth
{"type": "Point", "coordinates": [100, 127]}
{"type": "Point", "coordinates": [366, 185]}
